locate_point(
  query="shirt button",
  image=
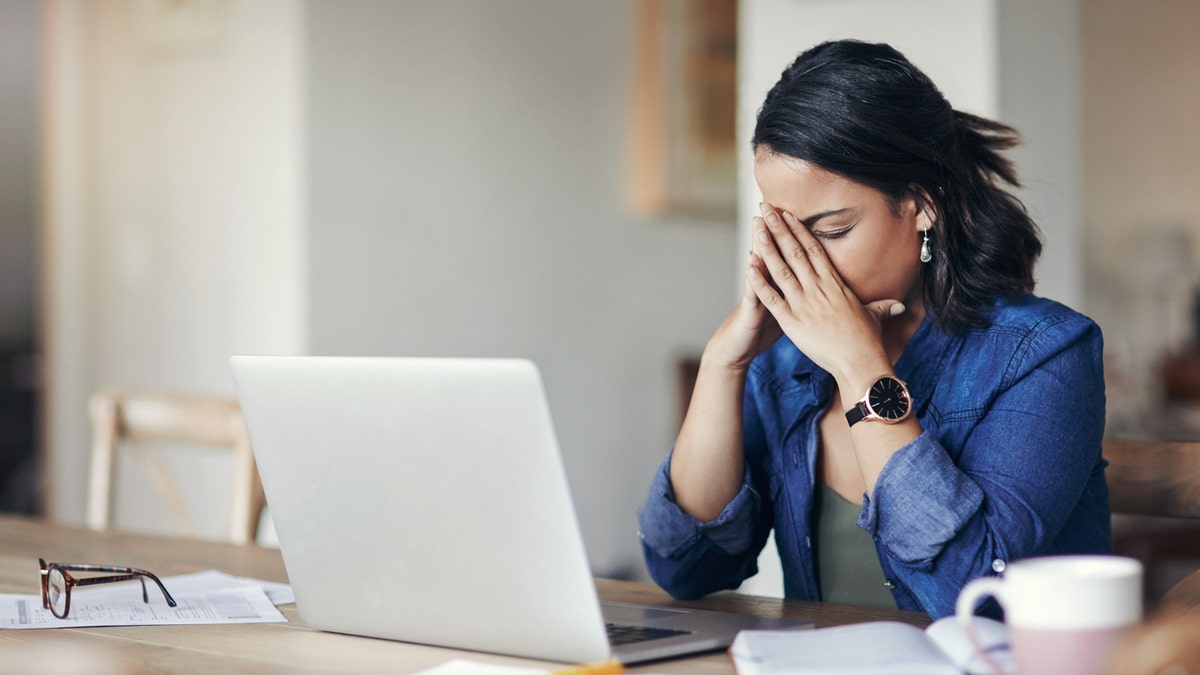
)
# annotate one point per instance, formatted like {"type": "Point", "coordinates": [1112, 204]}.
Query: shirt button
{"type": "Point", "coordinates": [998, 565]}
{"type": "Point", "coordinates": [887, 583]}
{"type": "Point", "coordinates": [808, 542]}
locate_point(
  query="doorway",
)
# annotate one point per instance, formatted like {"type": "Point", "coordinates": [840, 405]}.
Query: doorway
{"type": "Point", "coordinates": [20, 44]}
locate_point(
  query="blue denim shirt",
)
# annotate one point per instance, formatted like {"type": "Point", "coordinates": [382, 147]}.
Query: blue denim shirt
{"type": "Point", "coordinates": [1008, 464]}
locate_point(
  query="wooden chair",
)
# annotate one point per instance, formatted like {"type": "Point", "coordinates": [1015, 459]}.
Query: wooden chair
{"type": "Point", "coordinates": [1154, 478]}
{"type": "Point", "coordinates": [1154, 493]}
{"type": "Point", "coordinates": [134, 420]}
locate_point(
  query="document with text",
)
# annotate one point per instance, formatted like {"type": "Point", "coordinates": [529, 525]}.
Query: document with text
{"type": "Point", "coordinates": [201, 598]}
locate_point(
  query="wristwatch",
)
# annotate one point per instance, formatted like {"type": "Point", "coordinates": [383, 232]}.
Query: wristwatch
{"type": "Point", "coordinates": [887, 401]}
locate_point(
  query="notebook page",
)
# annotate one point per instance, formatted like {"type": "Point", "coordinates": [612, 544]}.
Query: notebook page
{"type": "Point", "coordinates": [875, 648]}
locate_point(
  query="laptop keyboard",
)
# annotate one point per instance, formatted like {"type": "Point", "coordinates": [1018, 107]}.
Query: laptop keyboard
{"type": "Point", "coordinates": [622, 635]}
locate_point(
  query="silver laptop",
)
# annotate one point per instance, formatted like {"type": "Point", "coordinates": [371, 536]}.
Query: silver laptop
{"type": "Point", "coordinates": [425, 500]}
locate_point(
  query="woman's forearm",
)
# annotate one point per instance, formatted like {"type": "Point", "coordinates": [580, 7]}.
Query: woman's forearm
{"type": "Point", "coordinates": [707, 463]}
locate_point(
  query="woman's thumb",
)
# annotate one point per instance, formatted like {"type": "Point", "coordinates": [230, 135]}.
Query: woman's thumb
{"type": "Point", "coordinates": [885, 309]}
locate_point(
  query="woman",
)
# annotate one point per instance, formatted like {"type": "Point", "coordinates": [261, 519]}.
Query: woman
{"type": "Point", "coordinates": [887, 395]}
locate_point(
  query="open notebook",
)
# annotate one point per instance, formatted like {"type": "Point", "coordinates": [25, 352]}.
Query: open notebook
{"type": "Point", "coordinates": [425, 500]}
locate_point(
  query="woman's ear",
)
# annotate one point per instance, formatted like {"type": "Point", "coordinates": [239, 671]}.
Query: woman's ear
{"type": "Point", "coordinates": [926, 210]}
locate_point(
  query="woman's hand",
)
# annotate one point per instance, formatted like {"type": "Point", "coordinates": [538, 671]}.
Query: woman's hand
{"type": "Point", "coordinates": [793, 279]}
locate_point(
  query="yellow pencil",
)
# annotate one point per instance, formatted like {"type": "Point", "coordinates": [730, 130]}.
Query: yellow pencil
{"type": "Point", "coordinates": [610, 668]}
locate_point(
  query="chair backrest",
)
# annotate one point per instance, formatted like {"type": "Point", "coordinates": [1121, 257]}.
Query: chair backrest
{"type": "Point", "coordinates": [134, 420]}
{"type": "Point", "coordinates": [1153, 478]}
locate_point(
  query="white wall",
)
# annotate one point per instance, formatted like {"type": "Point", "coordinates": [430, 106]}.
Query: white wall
{"type": "Point", "coordinates": [174, 217]}
{"type": "Point", "coordinates": [1039, 91]}
{"type": "Point", "coordinates": [467, 191]}
{"type": "Point", "coordinates": [369, 178]}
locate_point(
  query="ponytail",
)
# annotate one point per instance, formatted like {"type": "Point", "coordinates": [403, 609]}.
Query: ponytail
{"type": "Point", "coordinates": [981, 142]}
{"type": "Point", "coordinates": [984, 242]}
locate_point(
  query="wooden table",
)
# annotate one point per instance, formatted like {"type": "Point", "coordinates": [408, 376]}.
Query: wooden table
{"type": "Point", "coordinates": [290, 647]}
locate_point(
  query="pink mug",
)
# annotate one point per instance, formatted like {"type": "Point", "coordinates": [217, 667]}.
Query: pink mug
{"type": "Point", "coordinates": [1064, 613]}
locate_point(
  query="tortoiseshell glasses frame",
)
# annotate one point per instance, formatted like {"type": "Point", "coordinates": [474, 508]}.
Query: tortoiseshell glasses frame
{"type": "Point", "coordinates": [57, 583]}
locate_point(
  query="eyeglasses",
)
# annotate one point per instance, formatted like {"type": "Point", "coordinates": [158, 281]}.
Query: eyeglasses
{"type": "Point", "coordinates": [57, 583]}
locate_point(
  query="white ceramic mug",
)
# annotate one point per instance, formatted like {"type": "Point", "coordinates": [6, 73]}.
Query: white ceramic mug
{"type": "Point", "coordinates": [1064, 613]}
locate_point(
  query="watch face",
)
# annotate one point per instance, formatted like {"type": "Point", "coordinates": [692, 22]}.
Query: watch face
{"type": "Point", "coordinates": [889, 398]}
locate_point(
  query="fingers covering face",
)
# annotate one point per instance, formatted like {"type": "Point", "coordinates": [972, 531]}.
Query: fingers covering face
{"type": "Point", "coordinates": [793, 257]}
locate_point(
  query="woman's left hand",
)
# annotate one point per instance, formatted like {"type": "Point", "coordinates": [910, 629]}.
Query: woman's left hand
{"type": "Point", "coordinates": [793, 277]}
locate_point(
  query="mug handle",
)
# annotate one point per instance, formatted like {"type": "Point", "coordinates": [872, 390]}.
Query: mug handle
{"type": "Point", "coordinates": [964, 609]}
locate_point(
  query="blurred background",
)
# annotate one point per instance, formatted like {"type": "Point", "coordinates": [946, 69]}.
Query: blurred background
{"type": "Point", "coordinates": [563, 180]}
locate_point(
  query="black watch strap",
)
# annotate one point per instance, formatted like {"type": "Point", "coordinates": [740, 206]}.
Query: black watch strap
{"type": "Point", "coordinates": [857, 413]}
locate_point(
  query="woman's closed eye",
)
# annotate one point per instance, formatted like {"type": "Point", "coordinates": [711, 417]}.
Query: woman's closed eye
{"type": "Point", "coordinates": [833, 233]}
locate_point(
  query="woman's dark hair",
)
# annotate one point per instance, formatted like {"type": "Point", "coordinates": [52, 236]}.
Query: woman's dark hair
{"type": "Point", "coordinates": [864, 112]}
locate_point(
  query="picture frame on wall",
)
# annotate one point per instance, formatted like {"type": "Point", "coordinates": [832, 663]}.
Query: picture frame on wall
{"type": "Point", "coordinates": [685, 109]}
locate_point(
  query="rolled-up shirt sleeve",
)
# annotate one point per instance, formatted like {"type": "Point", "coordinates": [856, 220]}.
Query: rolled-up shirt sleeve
{"type": "Point", "coordinates": [689, 558]}
{"type": "Point", "coordinates": [670, 532]}
{"type": "Point", "coordinates": [916, 524]}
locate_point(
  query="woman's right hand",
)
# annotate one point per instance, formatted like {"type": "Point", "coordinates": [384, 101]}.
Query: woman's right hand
{"type": "Point", "coordinates": [748, 331]}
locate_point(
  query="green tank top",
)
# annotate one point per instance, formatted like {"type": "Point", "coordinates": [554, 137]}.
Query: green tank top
{"type": "Point", "coordinates": [848, 568]}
